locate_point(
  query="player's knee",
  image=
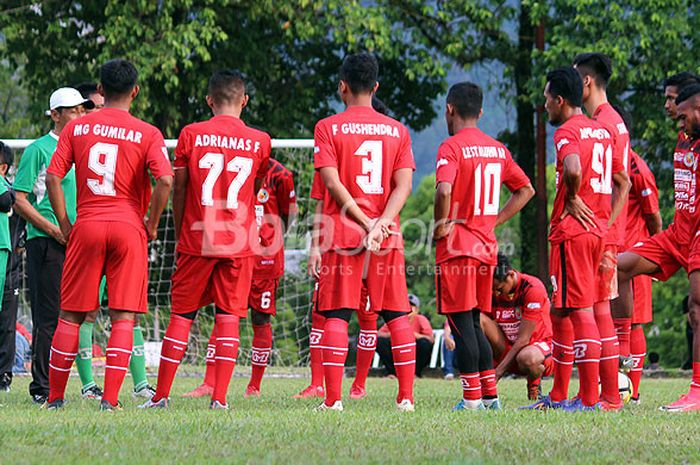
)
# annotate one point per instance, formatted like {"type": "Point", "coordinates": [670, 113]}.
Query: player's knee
{"type": "Point", "coordinates": [91, 317]}
{"type": "Point", "coordinates": [694, 313]}
{"type": "Point", "coordinates": [529, 360]}
{"type": "Point", "coordinates": [343, 314]}
{"type": "Point", "coordinates": [259, 318]}
{"type": "Point", "coordinates": [388, 315]}
{"type": "Point", "coordinates": [72, 317]}
{"type": "Point", "coordinates": [625, 266]}
{"type": "Point", "coordinates": [189, 316]}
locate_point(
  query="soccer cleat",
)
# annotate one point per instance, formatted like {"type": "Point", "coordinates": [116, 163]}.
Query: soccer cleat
{"type": "Point", "coordinates": [203, 390]}
{"type": "Point", "coordinates": [449, 376]}
{"type": "Point", "coordinates": [406, 405]}
{"type": "Point", "coordinates": [91, 392]}
{"type": "Point", "coordinates": [357, 392]}
{"type": "Point", "coordinates": [626, 363]}
{"type": "Point", "coordinates": [311, 392]}
{"type": "Point", "coordinates": [337, 406]}
{"type": "Point", "coordinates": [635, 400]}
{"type": "Point", "coordinates": [545, 403]}
{"type": "Point", "coordinates": [162, 403]}
{"type": "Point", "coordinates": [55, 405]}
{"type": "Point", "coordinates": [105, 406]}
{"type": "Point", "coordinates": [216, 405]}
{"type": "Point", "coordinates": [534, 391]}
{"type": "Point", "coordinates": [465, 404]}
{"type": "Point", "coordinates": [576, 405]}
{"type": "Point", "coordinates": [5, 382]}
{"type": "Point", "coordinates": [146, 392]}
{"type": "Point", "coordinates": [492, 404]}
{"type": "Point", "coordinates": [39, 399]}
{"type": "Point", "coordinates": [251, 391]}
{"type": "Point", "coordinates": [610, 407]}
{"type": "Point", "coordinates": [687, 403]}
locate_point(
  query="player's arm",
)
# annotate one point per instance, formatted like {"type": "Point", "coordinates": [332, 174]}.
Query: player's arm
{"type": "Point", "coordinates": [58, 204]}
{"type": "Point", "coordinates": [7, 198]}
{"type": "Point", "coordinates": [575, 206]}
{"type": "Point", "coordinates": [653, 222]}
{"type": "Point", "coordinates": [620, 191]}
{"type": "Point", "coordinates": [441, 210]}
{"type": "Point", "coordinates": [515, 203]}
{"type": "Point", "coordinates": [159, 200]}
{"type": "Point", "coordinates": [527, 327]}
{"type": "Point", "coordinates": [331, 179]}
{"type": "Point", "coordinates": [314, 264]}
{"type": "Point", "coordinates": [182, 176]}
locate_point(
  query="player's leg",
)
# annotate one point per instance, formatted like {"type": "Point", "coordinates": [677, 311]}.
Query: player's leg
{"type": "Point", "coordinates": [315, 389]}
{"type": "Point", "coordinates": [638, 349]}
{"type": "Point", "coordinates": [207, 387]}
{"type": "Point", "coordinates": [424, 349]}
{"type": "Point", "coordinates": [610, 351]}
{"type": "Point", "coordinates": [403, 352]}
{"type": "Point", "coordinates": [366, 346]}
{"type": "Point", "coordinates": [643, 313]}
{"type": "Point", "coordinates": [334, 344]}
{"type": "Point", "coordinates": [118, 353]}
{"type": "Point", "coordinates": [467, 351]}
{"type": "Point", "coordinates": [171, 353]}
{"type": "Point", "coordinates": [562, 353]}
{"type": "Point", "coordinates": [83, 362]}
{"type": "Point", "coordinates": [530, 362]}
{"type": "Point", "coordinates": [496, 337]}
{"type": "Point", "coordinates": [227, 342]}
{"type": "Point", "coordinates": [64, 349]}
{"type": "Point", "coordinates": [487, 373]}
{"type": "Point", "coordinates": [137, 364]}
{"type": "Point", "coordinates": [262, 302]}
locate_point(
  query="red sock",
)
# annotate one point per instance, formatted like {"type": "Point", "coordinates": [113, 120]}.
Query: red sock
{"type": "Point", "coordinates": [638, 349]}
{"type": "Point", "coordinates": [403, 350]}
{"type": "Point", "coordinates": [471, 386]}
{"type": "Point", "coordinates": [64, 348]}
{"type": "Point", "coordinates": [119, 347]}
{"type": "Point", "coordinates": [695, 383]}
{"type": "Point", "coordinates": [335, 350]}
{"type": "Point", "coordinates": [315, 352]}
{"type": "Point", "coordinates": [609, 353]}
{"type": "Point", "coordinates": [366, 346]}
{"type": "Point", "coordinates": [171, 353]}
{"type": "Point", "coordinates": [260, 356]}
{"type": "Point", "coordinates": [587, 354]}
{"type": "Point", "coordinates": [563, 356]}
{"type": "Point", "coordinates": [623, 330]}
{"type": "Point", "coordinates": [488, 384]}
{"type": "Point", "coordinates": [210, 373]}
{"type": "Point", "coordinates": [226, 353]}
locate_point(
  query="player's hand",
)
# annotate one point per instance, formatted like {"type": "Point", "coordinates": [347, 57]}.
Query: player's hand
{"type": "Point", "coordinates": [450, 344]}
{"type": "Point", "coordinates": [576, 207]}
{"type": "Point", "coordinates": [374, 238]}
{"type": "Point", "coordinates": [66, 230]}
{"type": "Point", "coordinates": [151, 229]}
{"type": "Point", "coordinates": [313, 267]}
{"type": "Point", "coordinates": [442, 230]}
{"type": "Point", "coordinates": [55, 232]}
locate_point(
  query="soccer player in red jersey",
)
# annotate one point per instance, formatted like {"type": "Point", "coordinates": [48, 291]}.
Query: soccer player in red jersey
{"type": "Point", "coordinates": [366, 164]}
{"type": "Point", "coordinates": [471, 168]}
{"type": "Point", "coordinates": [112, 152]}
{"type": "Point", "coordinates": [677, 246]}
{"type": "Point", "coordinates": [220, 164]}
{"type": "Point", "coordinates": [595, 70]}
{"type": "Point", "coordinates": [519, 327]}
{"type": "Point", "coordinates": [580, 221]}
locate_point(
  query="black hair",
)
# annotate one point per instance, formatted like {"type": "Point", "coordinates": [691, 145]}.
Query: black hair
{"type": "Point", "coordinates": [687, 93]}
{"type": "Point", "coordinates": [86, 89]}
{"type": "Point", "coordinates": [596, 65]}
{"type": "Point", "coordinates": [467, 98]}
{"type": "Point", "coordinates": [654, 357]}
{"type": "Point", "coordinates": [681, 80]}
{"type": "Point", "coordinates": [503, 267]}
{"type": "Point", "coordinates": [226, 86]}
{"type": "Point", "coordinates": [379, 106]}
{"type": "Point", "coordinates": [6, 155]}
{"type": "Point", "coordinates": [565, 82]}
{"type": "Point", "coordinates": [118, 77]}
{"type": "Point", "coordinates": [360, 72]}
{"type": "Point", "coordinates": [626, 117]}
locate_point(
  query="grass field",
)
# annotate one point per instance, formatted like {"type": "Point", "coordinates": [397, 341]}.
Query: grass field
{"type": "Point", "coordinates": [278, 429]}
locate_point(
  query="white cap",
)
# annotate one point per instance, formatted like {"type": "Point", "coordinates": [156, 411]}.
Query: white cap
{"type": "Point", "coordinates": [67, 97]}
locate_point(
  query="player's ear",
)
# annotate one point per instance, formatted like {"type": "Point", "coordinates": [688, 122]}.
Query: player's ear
{"type": "Point", "coordinates": [376, 86]}
{"type": "Point", "coordinates": [135, 91]}
{"type": "Point", "coordinates": [481, 113]}
{"type": "Point", "coordinates": [100, 89]}
{"type": "Point", "coordinates": [210, 101]}
{"type": "Point", "coordinates": [55, 116]}
{"type": "Point", "coordinates": [244, 101]}
{"type": "Point", "coordinates": [342, 87]}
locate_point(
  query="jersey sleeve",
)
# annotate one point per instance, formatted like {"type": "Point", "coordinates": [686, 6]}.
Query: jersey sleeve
{"type": "Point", "coordinates": [513, 176]}
{"type": "Point", "coordinates": [324, 153]}
{"type": "Point", "coordinates": [265, 151]}
{"type": "Point", "coordinates": [618, 159]}
{"type": "Point", "coordinates": [535, 302]}
{"type": "Point", "coordinates": [28, 169]}
{"type": "Point", "coordinates": [286, 195]}
{"type": "Point", "coordinates": [157, 158]}
{"type": "Point", "coordinates": [644, 184]}
{"type": "Point", "coordinates": [447, 164]}
{"type": "Point", "coordinates": [182, 149]}
{"type": "Point", "coordinates": [566, 143]}
{"type": "Point", "coordinates": [405, 156]}
{"type": "Point", "coordinates": [425, 328]}
{"type": "Point", "coordinates": [318, 190]}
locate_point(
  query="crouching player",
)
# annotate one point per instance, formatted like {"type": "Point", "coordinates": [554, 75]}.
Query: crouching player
{"type": "Point", "coordinates": [518, 327]}
{"type": "Point", "coordinates": [220, 165]}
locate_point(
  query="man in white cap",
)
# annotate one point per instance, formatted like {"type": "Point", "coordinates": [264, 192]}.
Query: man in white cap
{"type": "Point", "coordinates": [45, 243]}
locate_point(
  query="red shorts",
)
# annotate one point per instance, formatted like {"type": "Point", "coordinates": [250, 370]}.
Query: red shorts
{"type": "Point", "coordinates": [113, 249]}
{"type": "Point", "coordinates": [343, 276]}
{"type": "Point", "coordinates": [463, 284]}
{"type": "Point", "coordinates": [199, 281]}
{"type": "Point", "coordinates": [606, 277]}
{"type": "Point", "coordinates": [641, 289]}
{"type": "Point", "coordinates": [666, 252]}
{"type": "Point", "coordinates": [263, 296]}
{"type": "Point", "coordinates": [543, 347]}
{"type": "Point", "coordinates": [573, 266]}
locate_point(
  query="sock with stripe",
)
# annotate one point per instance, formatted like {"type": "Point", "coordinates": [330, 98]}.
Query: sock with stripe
{"type": "Point", "coordinates": [334, 345]}
{"type": "Point", "coordinates": [403, 351]}
{"type": "Point", "coordinates": [471, 386]}
{"type": "Point", "coordinates": [84, 360]}
{"type": "Point", "coordinates": [488, 384]}
{"type": "Point", "coordinates": [137, 365]}
{"type": "Point", "coordinates": [609, 353]}
{"type": "Point", "coordinates": [315, 352]}
{"type": "Point", "coordinates": [695, 383]}
{"type": "Point", "coordinates": [171, 353]}
{"type": "Point", "coordinates": [587, 348]}
{"type": "Point", "coordinates": [64, 348]}
{"type": "Point", "coordinates": [210, 372]}
{"type": "Point", "coordinates": [366, 346]}
{"type": "Point", "coordinates": [119, 348]}
{"type": "Point", "coordinates": [562, 355]}
{"type": "Point", "coordinates": [260, 354]}
{"type": "Point", "coordinates": [623, 331]}
{"type": "Point", "coordinates": [226, 353]}
{"type": "Point", "coordinates": [638, 350]}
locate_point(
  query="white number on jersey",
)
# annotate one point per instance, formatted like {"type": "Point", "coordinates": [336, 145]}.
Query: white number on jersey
{"type": "Point", "coordinates": [602, 167]}
{"type": "Point", "coordinates": [487, 180]}
{"type": "Point", "coordinates": [266, 300]}
{"type": "Point", "coordinates": [214, 162]}
{"type": "Point", "coordinates": [371, 179]}
{"type": "Point", "coordinates": [102, 161]}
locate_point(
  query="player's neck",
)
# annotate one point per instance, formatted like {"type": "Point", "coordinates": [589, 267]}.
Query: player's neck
{"type": "Point", "coordinates": [570, 112]}
{"type": "Point", "coordinates": [118, 104]}
{"type": "Point", "coordinates": [596, 99]}
{"type": "Point", "coordinates": [360, 100]}
{"type": "Point", "coordinates": [459, 124]}
{"type": "Point", "coordinates": [228, 111]}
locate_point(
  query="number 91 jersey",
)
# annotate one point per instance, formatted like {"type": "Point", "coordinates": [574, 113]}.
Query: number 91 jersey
{"type": "Point", "coordinates": [366, 147]}
{"type": "Point", "coordinates": [223, 157]}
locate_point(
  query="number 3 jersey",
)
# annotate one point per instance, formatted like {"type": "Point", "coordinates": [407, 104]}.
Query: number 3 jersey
{"type": "Point", "coordinates": [593, 143]}
{"type": "Point", "coordinates": [112, 152]}
{"type": "Point", "coordinates": [366, 147]}
{"type": "Point", "coordinates": [223, 157]}
{"type": "Point", "coordinates": [476, 166]}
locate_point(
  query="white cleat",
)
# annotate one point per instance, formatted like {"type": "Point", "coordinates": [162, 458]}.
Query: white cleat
{"type": "Point", "coordinates": [146, 392]}
{"type": "Point", "coordinates": [337, 406]}
{"type": "Point", "coordinates": [406, 406]}
{"type": "Point", "coordinates": [216, 405]}
{"type": "Point", "coordinates": [162, 403]}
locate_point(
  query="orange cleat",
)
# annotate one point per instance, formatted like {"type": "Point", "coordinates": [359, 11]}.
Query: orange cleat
{"type": "Point", "coordinates": [357, 392]}
{"type": "Point", "coordinates": [311, 392]}
{"type": "Point", "coordinates": [203, 390]}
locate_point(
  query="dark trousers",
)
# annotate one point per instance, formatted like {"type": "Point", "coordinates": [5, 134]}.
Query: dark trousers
{"type": "Point", "coordinates": [424, 348]}
{"type": "Point", "coordinates": [44, 269]}
{"type": "Point", "coordinates": [8, 315]}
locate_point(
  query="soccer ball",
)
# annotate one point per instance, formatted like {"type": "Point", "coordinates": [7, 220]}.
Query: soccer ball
{"type": "Point", "coordinates": [625, 385]}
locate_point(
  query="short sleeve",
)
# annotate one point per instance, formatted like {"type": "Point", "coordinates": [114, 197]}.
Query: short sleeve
{"type": "Point", "coordinates": [318, 189]}
{"type": "Point", "coordinates": [157, 157]}
{"type": "Point", "coordinates": [447, 165]}
{"type": "Point", "coordinates": [324, 153]}
{"type": "Point", "coordinates": [618, 159]}
{"type": "Point", "coordinates": [644, 186]}
{"type": "Point", "coordinates": [566, 143]}
{"type": "Point", "coordinates": [513, 176]}
{"type": "Point", "coordinates": [425, 328]}
{"type": "Point", "coordinates": [405, 156]}
{"type": "Point", "coordinates": [28, 169]}
{"type": "Point", "coordinates": [183, 149]}
{"type": "Point", "coordinates": [535, 302]}
{"type": "Point", "coordinates": [62, 159]}
{"type": "Point", "coordinates": [286, 195]}
{"type": "Point", "coordinates": [265, 150]}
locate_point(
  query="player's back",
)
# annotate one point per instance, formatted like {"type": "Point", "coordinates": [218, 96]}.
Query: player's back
{"type": "Point", "coordinates": [223, 157]}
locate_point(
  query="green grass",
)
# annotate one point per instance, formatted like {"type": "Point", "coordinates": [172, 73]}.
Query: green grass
{"type": "Point", "coordinates": [278, 429]}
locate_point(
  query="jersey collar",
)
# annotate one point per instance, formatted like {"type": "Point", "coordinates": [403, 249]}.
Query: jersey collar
{"type": "Point", "coordinates": [53, 135]}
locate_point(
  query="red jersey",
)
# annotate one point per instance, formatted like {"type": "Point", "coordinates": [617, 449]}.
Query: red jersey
{"type": "Point", "coordinates": [593, 143]}
{"type": "Point", "coordinates": [528, 301]}
{"type": "Point", "coordinates": [643, 200]}
{"type": "Point", "coordinates": [276, 199]}
{"type": "Point", "coordinates": [476, 166]}
{"type": "Point", "coordinates": [366, 147]}
{"type": "Point", "coordinates": [606, 115]}
{"type": "Point", "coordinates": [685, 182]}
{"type": "Point", "coordinates": [419, 324]}
{"type": "Point", "coordinates": [223, 157]}
{"type": "Point", "coordinates": [112, 152]}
